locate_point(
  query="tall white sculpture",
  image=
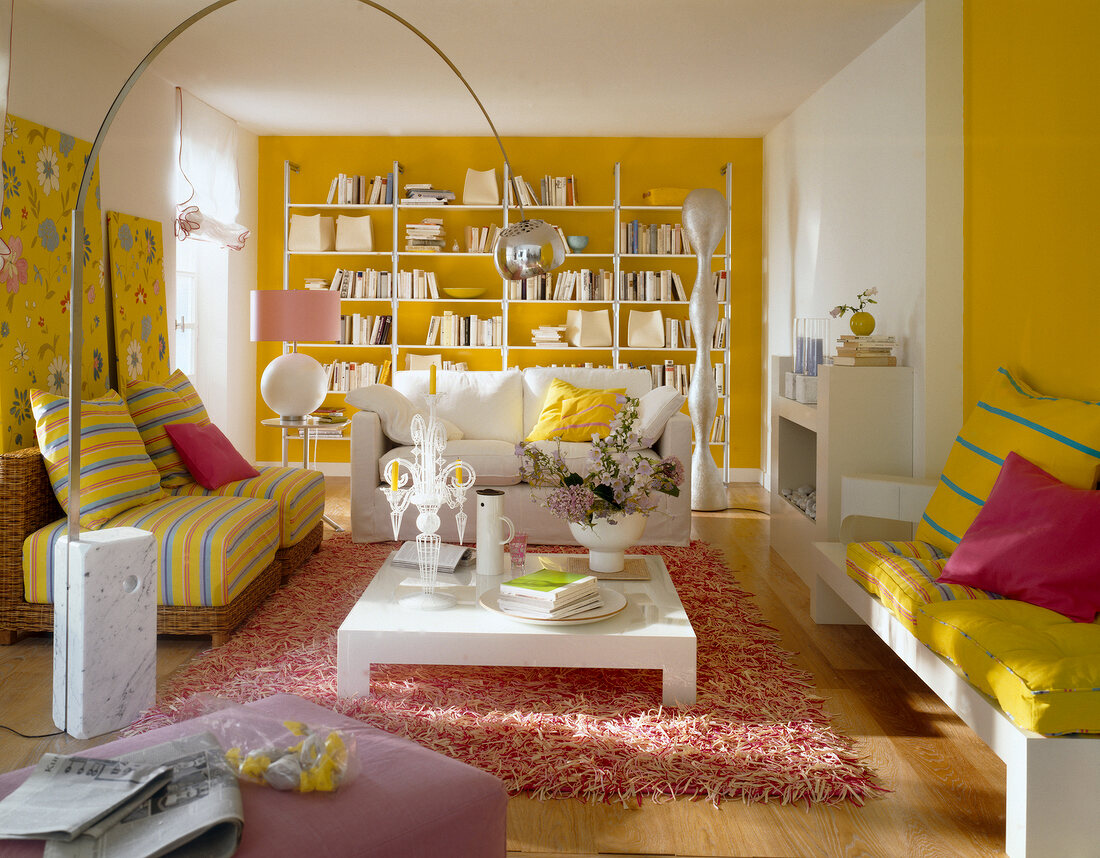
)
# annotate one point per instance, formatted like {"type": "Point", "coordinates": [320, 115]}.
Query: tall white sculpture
{"type": "Point", "coordinates": [704, 219]}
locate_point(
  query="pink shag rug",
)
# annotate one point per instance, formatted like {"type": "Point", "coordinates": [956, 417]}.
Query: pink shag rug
{"type": "Point", "coordinates": [757, 731]}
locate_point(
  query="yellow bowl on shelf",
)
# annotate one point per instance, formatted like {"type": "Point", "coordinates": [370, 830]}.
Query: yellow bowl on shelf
{"type": "Point", "coordinates": [463, 291]}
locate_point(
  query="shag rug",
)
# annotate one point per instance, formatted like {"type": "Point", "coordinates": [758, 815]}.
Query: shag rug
{"type": "Point", "coordinates": [757, 731]}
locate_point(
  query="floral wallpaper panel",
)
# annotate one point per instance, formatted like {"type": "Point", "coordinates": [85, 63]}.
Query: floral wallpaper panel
{"type": "Point", "coordinates": [42, 169]}
{"type": "Point", "coordinates": [136, 258]}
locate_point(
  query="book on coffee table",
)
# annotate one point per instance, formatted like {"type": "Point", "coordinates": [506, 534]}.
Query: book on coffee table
{"type": "Point", "coordinates": [451, 557]}
{"type": "Point", "coordinates": [550, 594]}
{"type": "Point", "coordinates": [522, 606]}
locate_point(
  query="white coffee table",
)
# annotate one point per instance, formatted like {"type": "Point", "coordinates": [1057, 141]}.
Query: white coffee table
{"type": "Point", "coordinates": [651, 632]}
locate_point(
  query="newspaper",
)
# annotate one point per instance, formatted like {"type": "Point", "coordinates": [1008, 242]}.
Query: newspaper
{"type": "Point", "coordinates": [198, 812]}
{"type": "Point", "coordinates": [451, 557]}
{"type": "Point", "coordinates": [67, 795]}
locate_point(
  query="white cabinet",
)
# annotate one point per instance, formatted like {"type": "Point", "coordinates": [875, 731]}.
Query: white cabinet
{"type": "Point", "coordinates": [862, 423]}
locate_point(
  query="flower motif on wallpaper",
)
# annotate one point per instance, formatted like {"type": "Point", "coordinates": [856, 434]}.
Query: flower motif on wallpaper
{"type": "Point", "coordinates": [21, 353]}
{"type": "Point", "coordinates": [133, 359]}
{"type": "Point", "coordinates": [125, 238]}
{"type": "Point", "coordinates": [150, 246]}
{"type": "Point", "coordinates": [139, 295]}
{"type": "Point", "coordinates": [47, 232]}
{"type": "Point", "coordinates": [146, 328]}
{"type": "Point", "coordinates": [162, 347]}
{"type": "Point", "coordinates": [49, 177]}
{"type": "Point", "coordinates": [57, 377]}
{"type": "Point", "coordinates": [5, 329]}
{"type": "Point", "coordinates": [10, 131]}
{"type": "Point", "coordinates": [14, 268]}
{"type": "Point", "coordinates": [97, 364]}
{"type": "Point", "coordinates": [21, 405]}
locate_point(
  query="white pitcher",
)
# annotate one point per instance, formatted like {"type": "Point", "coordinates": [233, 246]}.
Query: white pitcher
{"type": "Point", "coordinates": [490, 516]}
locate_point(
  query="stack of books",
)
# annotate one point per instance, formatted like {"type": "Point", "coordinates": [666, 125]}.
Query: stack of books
{"type": "Point", "coordinates": [425, 195]}
{"type": "Point", "coordinates": [548, 336]}
{"type": "Point", "coordinates": [549, 594]}
{"type": "Point", "coordinates": [426, 236]}
{"type": "Point", "coordinates": [872, 350]}
{"type": "Point", "coordinates": [328, 414]}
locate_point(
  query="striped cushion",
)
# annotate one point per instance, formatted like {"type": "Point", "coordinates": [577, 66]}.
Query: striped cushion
{"type": "Point", "coordinates": [1061, 436]}
{"type": "Point", "coordinates": [903, 577]}
{"type": "Point", "coordinates": [153, 406]}
{"type": "Point", "coordinates": [299, 493]}
{"type": "Point", "coordinates": [1043, 668]}
{"type": "Point", "coordinates": [208, 549]}
{"type": "Point", "coordinates": [115, 471]}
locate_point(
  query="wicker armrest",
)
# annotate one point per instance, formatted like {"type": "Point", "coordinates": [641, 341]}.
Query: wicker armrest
{"type": "Point", "coordinates": [27, 503]}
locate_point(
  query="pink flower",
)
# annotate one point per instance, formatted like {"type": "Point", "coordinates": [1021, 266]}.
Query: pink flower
{"type": "Point", "coordinates": [13, 270]}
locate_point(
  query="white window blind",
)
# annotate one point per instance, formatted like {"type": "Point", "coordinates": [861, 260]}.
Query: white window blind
{"type": "Point", "coordinates": [208, 184]}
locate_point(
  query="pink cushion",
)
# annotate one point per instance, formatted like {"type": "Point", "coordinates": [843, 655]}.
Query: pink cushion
{"type": "Point", "coordinates": [406, 800]}
{"type": "Point", "coordinates": [208, 454]}
{"type": "Point", "coordinates": [1036, 540]}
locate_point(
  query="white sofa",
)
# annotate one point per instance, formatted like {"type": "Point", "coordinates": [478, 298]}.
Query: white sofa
{"type": "Point", "coordinates": [494, 412]}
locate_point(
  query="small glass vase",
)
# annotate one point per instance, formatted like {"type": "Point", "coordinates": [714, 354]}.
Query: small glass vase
{"type": "Point", "coordinates": [608, 539]}
{"type": "Point", "coordinates": [862, 323]}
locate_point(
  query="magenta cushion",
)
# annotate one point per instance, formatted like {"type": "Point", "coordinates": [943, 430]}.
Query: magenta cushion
{"type": "Point", "coordinates": [210, 457]}
{"type": "Point", "coordinates": [1036, 540]}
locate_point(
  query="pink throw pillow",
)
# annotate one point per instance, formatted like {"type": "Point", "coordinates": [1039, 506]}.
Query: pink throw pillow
{"type": "Point", "coordinates": [1036, 540]}
{"type": "Point", "coordinates": [208, 454]}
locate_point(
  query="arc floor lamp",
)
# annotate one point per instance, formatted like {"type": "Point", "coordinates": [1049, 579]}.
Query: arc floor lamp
{"type": "Point", "coordinates": [524, 249]}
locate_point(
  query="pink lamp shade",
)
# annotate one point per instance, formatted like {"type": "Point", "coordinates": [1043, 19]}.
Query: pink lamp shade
{"type": "Point", "coordinates": [295, 315]}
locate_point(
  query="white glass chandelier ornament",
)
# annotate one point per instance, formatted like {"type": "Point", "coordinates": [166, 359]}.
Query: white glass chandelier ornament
{"type": "Point", "coordinates": [428, 483]}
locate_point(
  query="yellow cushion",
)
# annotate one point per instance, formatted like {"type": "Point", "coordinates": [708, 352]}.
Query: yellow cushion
{"type": "Point", "coordinates": [551, 426]}
{"type": "Point", "coordinates": [115, 471]}
{"type": "Point", "coordinates": [1061, 436]}
{"type": "Point", "coordinates": [153, 406]}
{"type": "Point", "coordinates": [903, 577]}
{"type": "Point", "coordinates": [1043, 668]}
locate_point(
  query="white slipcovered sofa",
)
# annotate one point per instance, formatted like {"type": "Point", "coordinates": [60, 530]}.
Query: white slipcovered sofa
{"type": "Point", "coordinates": [494, 411]}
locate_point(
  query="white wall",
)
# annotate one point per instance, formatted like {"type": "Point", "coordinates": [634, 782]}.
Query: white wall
{"type": "Point", "coordinates": [847, 189]}
{"type": "Point", "coordinates": [66, 78]}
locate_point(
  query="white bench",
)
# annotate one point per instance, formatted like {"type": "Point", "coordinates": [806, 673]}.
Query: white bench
{"type": "Point", "coordinates": [1053, 783]}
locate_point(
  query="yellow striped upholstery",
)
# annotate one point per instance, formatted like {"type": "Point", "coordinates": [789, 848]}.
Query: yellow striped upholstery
{"type": "Point", "coordinates": [1042, 667]}
{"type": "Point", "coordinates": [1061, 436]}
{"type": "Point", "coordinates": [115, 471]}
{"type": "Point", "coordinates": [208, 548]}
{"type": "Point", "coordinates": [903, 577]}
{"type": "Point", "coordinates": [153, 406]}
{"type": "Point", "coordinates": [300, 494]}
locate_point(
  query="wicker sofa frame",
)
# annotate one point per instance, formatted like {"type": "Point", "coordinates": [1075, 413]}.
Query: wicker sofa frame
{"type": "Point", "coordinates": [27, 503]}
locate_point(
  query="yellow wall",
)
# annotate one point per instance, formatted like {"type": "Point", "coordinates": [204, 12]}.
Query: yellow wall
{"type": "Point", "coordinates": [1032, 221]}
{"type": "Point", "coordinates": [645, 163]}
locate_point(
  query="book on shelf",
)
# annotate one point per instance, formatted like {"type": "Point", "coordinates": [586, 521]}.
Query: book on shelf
{"type": "Point", "coordinates": [384, 373]}
{"type": "Point", "coordinates": [721, 285]}
{"type": "Point", "coordinates": [721, 334]}
{"type": "Point", "coordinates": [865, 360]}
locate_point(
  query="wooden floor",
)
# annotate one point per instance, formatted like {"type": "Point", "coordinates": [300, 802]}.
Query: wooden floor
{"type": "Point", "coordinates": [947, 789]}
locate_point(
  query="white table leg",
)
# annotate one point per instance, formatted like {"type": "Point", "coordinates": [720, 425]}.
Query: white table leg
{"type": "Point", "coordinates": [678, 682]}
{"type": "Point", "coordinates": [283, 433]}
{"type": "Point", "coordinates": [352, 680]}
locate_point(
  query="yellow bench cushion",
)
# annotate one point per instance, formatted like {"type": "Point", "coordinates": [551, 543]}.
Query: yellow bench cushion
{"type": "Point", "coordinates": [1061, 436]}
{"type": "Point", "coordinates": [208, 548]}
{"type": "Point", "coordinates": [1042, 668]}
{"type": "Point", "coordinates": [300, 494]}
{"type": "Point", "coordinates": [903, 577]}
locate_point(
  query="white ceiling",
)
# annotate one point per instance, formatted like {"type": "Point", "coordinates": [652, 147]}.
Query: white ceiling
{"type": "Point", "coordinates": [663, 68]}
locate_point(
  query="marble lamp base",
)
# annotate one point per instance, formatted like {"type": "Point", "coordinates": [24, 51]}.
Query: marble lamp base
{"type": "Point", "coordinates": [105, 630]}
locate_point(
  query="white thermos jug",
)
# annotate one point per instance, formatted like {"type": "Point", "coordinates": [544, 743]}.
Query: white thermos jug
{"type": "Point", "coordinates": [490, 517]}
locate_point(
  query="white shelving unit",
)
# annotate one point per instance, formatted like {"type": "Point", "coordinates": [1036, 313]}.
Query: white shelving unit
{"type": "Point", "coordinates": [862, 423]}
{"type": "Point", "coordinates": [515, 351]}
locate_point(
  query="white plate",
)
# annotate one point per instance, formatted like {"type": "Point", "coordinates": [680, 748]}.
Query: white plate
{"type": "Point", "coordinates": [613, 602]}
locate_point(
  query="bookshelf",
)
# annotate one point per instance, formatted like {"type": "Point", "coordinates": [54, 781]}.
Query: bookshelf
{"type": "Point", "coordinates": [634, 260]}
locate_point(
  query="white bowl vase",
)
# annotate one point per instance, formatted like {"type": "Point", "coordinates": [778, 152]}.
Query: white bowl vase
{"type": "Point", "coordinates": [607, 542]}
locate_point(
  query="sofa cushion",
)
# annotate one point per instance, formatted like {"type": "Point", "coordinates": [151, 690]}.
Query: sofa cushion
{"type": "Point", "coordinates": [574, 425]}
{"type": "Point", "coordinates": [208, 548]}
{"type": "Point", "coordinates": [115, 471]}
{"type": "Point", "coordinates": [395, 411]}
{"type": "Point", "coordinates": [494, 462]}
{"type": "Point", "coordinates": [299, 492]}
{"type": "Point", "coordinates": [1043, 669]}
{"type": "Point", "coordinates": [1036, 540]}
{"type": "Point", "coordinates": [537, 381]}
{"type": "Point", "coordinates": [904, 576]}
{"type": "Point", "coordinates": [483, 405]}
{"type": "Point", "coordinates": [1061, 436]}
{"type": "Point", "coordinates": [153, 406]}
{"type": "Point", "coordinates": [655, 408]}
{"type": "Point", "coordinates": [210, 457]}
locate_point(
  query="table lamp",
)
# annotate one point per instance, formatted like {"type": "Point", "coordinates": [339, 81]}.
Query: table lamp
{"type": "Point", "coordinates": [294, 384]}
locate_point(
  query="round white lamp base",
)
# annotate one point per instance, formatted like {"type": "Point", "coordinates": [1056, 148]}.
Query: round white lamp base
{"type": "Point", "coordinates": [293, 385]}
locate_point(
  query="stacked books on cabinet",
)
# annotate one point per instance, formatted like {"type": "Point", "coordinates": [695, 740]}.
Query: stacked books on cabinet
{"type": "Point", "coordinates": [653, 238]}
{"type": "Point", "coordinates": [423, 194]}
{"type": "Point", "coordinates": [480, 239]}
{"type": "Point", "coordinates": [344, 376]}
{"type": "Point", "coordinates": [357, 190]}
{"type": "Point", "coordinates": [583, 285]}
{"type": "Point", "coordinates": [872, 350]}
{"type": "Point", "coordinates": [553, 191]}
{"type": "Point", "coordinates": [548, 336]}
{"type": "Point", "coordinates": [365, 330]}
{"type": "Point", "coordinates": [365, 283]}
{"type": "Point", "coordinates": [417, 284]}
{"type": "Point", "coordinates": [663, 286]}
{"type": "Point", "coordinates": [550, 594]}
{"type": "Point", "coordinates": [426, 236]}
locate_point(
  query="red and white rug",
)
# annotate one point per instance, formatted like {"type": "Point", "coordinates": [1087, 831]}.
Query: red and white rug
{"type": "Point", "coordinates": [757, 731]}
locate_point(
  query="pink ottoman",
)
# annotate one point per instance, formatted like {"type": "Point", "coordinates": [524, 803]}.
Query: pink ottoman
{"type": "Point", "coordinates": [405, 802]}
